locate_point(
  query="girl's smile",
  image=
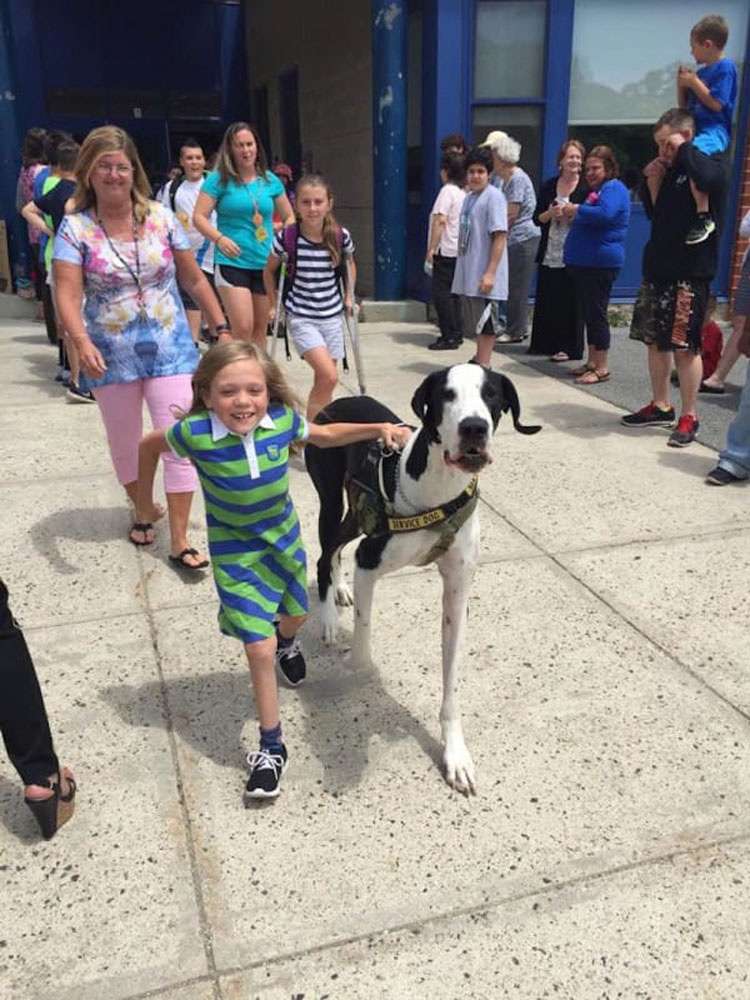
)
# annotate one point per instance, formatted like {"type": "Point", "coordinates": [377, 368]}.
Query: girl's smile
{"type": "Point", "coordinates": [239, 396]}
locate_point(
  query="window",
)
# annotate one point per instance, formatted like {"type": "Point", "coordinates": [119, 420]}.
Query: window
{"type": "Point", "coordinates": [624, 68]}
{"type": "Point", "coordinates": [509, 56]}
{"type": "Point", "coordinates": [523, 122]}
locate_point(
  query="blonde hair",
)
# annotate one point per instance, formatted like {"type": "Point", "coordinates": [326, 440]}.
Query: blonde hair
{"type": "Point", "coordinates": [99, 142]}
{"type": "Point", "coordinates": [222, 355]}
{"type": "Point", "coordinates": [331, 228]}
{"type": "Point", "coordinates": [225, 161]}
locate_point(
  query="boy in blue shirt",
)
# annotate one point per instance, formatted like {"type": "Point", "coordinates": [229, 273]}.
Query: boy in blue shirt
{"type": "Point", "coordinates": [709, 94]}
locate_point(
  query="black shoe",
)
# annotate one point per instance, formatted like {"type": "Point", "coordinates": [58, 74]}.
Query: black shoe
{"type": "Point", "coordinates": [649, 416]}
{"type": "Point", "coordinates": [291, 662]}
{"type": "Point", "coordinates": [685, 431]}
{"type": "Point", "coordinates": [722, 477]}
{"type": "Point", "coordinates": [266, 769]}
{"type": "Point", "coordinates": [711, 390]}
{"type": "Point", "coordinates": [76, 395]}
{"type": "Point", "coordinates": [704, 226]}
{"type": "Point", "coordinates": [443, 344]}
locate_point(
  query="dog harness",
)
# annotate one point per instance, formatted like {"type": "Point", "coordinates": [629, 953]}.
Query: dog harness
{"type": "Point", "coordinates": [372, 500]}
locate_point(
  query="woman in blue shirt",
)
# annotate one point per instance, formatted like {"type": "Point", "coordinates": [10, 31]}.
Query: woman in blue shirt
{"type": "Point", "coordinates": [595, 250]}
{"type": "Point", "coordinates": [245, 195]}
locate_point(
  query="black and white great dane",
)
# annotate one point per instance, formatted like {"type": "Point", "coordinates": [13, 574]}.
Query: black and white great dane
{"type": "Point", "coordinates": [436, 472]}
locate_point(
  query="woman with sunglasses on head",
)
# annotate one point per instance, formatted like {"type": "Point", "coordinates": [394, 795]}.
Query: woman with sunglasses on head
{"type": "Point", "coordinates": [116, 260]}
{"type": "Point", "coordinates": [245, 194]}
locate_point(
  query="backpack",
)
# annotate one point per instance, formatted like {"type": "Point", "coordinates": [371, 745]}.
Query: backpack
{"type": "Point", "coordinates": [173, 185]}
{"type": "Point", "coordinates": [289, 237]}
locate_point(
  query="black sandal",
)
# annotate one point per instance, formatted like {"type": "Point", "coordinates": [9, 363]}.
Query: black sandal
{"type": "Point", "coordinates": [53, 812]}
{"type": "Point", "coordinates": [143, 526]}
{"type": "Point", "coordinates": [179, 561]}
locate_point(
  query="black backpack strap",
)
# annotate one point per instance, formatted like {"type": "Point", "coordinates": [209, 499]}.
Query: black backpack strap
{"type": "Point", "coordinates": [174, 184]}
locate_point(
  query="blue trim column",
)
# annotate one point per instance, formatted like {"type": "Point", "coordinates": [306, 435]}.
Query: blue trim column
{"type": "Point", "coordinates": [559, 56]}
{"type": "Point", "coordinates": [389, 131]}
{"type": "Point", "coordinates": [10, 138]}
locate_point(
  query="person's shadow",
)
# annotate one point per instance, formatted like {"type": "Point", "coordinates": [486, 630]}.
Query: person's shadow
{"type": "Point", "coordinates": [94, 525]}
{"type": "Point", "coordinates": [15, 816]}
{"type": "Point", "coordinates": [343, 710]}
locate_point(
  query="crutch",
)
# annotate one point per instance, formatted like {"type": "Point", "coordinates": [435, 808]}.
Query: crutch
{"type": "Point", "coordinates": [279, 303]}
{"type": "Point", "coordinates": [352, 325]}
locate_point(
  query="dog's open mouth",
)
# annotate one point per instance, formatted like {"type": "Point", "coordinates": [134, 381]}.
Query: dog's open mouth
{"type": "Point", "coordinates": [469, 460]}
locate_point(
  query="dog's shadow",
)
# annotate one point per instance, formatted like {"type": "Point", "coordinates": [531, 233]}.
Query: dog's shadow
{"type": "Point", "coordinates": [342, 712]}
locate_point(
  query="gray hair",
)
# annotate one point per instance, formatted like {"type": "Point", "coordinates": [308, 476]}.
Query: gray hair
{"type": "Point", "coordinates": [507, 149]}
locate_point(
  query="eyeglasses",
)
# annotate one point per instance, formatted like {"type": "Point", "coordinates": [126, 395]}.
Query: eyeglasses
{"type": "Point", "coordinates": [121, 169]}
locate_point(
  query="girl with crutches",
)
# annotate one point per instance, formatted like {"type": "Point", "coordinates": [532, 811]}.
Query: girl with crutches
{"type": "Point", "coordinates": [317, 250]}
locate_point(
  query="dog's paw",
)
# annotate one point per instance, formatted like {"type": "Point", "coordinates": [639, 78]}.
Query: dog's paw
{"type": "Point", "coordinates": [459, 768]}
{"type": "Point", "coordinates": [359, 661]}
{"type": "Point", "coordinates": [344, 597]}
{"type": "Point", "coordinates": [330, 622]}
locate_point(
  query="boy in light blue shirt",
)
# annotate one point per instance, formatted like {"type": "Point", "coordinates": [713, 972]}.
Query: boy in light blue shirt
{"type": "Point", "coordinates": [709, 93]}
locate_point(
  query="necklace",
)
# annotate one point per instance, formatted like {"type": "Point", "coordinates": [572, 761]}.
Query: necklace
{"type": "Point", "coordinates": [135, 275]}
{"type": "Point", "coordinates": [261, 233]}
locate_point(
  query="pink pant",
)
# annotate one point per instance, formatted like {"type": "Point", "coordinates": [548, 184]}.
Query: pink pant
{"type": "Point", "coordinates": [121, 407]}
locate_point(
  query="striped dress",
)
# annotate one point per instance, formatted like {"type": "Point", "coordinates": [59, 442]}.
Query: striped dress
{"type": "Point", "coordinates": [257, 555]}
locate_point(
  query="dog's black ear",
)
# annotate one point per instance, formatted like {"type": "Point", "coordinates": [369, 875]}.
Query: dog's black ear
{"type": "Point", "coordinates": [504, 398]}
{"type": "Point", "coordinates": [424, 401]}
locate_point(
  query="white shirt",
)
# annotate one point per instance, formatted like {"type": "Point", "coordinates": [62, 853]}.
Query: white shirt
{"type": "Point", "coordinates": [184, 204]}
{"type": "Point", "coordinates": [448, 203]}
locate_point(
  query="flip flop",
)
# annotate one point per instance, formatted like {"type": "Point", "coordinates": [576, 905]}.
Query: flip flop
{"type": "Point", "coordinates": [180, 562]}
{"type": "Point", "coordinates": [592, 377]}
{"type": "Point", "coordinates": [581, 370]}
{"type": "Point", "coordinates": [560, 356]}
{"type": "Point", "coordinates": [142, 526]}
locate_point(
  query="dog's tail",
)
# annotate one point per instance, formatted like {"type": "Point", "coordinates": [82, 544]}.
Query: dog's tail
{"type": "Point", "coordinates": [511, 403]}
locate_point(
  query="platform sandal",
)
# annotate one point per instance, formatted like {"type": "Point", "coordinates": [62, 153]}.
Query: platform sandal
{"type": "Point", "coordinates": [51, 813]}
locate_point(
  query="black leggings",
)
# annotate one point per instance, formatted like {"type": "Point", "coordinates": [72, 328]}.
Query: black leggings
{"type": "Point", "coordinates": [23, 719]}
{"type": "Point", "coordinates": [447, 305]}
{"type": "Point", "coordinates": [593, 288]}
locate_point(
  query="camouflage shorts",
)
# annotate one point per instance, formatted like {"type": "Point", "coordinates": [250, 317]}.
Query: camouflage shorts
{"type": "Point", "coordinates": [670, 314]}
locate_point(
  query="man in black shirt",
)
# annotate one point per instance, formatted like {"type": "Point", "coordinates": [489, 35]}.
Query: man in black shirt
{"type": "Point", "coordinates": [671, 304]}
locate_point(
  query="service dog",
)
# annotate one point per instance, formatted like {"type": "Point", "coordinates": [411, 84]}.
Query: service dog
{"type": "Point", "coordinates": [415, 507]}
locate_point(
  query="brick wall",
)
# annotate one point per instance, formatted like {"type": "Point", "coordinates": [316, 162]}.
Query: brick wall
{"type": "Point", "coordinates": [744, 206]}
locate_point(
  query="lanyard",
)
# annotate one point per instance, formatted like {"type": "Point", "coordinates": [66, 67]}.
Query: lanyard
{"type": "Point", "coordinates": [135, 275]}
{"type": "Point", "coordinates": [261, 233]}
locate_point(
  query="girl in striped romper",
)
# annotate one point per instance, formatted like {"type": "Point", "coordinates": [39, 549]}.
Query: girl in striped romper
{"type": "Point", "coordinates": [313, 301]}
{"type": "Point", "coordinates": [238, 432]}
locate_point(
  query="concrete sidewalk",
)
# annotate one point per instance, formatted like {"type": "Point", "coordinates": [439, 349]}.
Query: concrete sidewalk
{"type": "Point", "coordinates": [606, 694]}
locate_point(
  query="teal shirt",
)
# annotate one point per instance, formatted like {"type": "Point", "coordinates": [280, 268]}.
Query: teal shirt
{"type": "Point", "coordinates": [236, 204]}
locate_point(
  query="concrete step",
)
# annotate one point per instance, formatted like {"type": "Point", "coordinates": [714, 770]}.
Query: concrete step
{"type": "Point", "coordinates": [14, 307]}
{"type": "Point", "coordinates": [403, 311]}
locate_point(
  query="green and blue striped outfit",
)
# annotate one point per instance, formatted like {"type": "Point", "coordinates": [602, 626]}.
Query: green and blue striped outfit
{"type": "Point", "coordinates": [257, 555]}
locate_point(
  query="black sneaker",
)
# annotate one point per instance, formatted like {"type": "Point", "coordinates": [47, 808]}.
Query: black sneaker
{"type": "Point", "coordinates": [684, 432]}
{"type": "Point", "coordinates": [443, 344]}
{"type": "Point", "coordinates": [704, 226]}
{"type": "Point", "coordinates": [266, 769]}
{"type": "Point", "coordinates": [291, 662]}
{"type": "Point", "coordinates": [76, 395]}
{"type": "Point", "coordinates": [649, 416]}
{"type": "Point", "coordinates": [722, 477]}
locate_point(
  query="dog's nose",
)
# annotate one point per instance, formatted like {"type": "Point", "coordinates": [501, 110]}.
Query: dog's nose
{"type": "Point", "coordinates": [473, 428]}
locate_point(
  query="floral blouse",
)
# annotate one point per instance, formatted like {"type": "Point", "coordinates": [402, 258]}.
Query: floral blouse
{"type": "Point", "coordinates": [134, 343]}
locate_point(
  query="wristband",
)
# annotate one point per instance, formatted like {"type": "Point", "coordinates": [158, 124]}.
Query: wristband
{"type": "Point", "coordinates": [218, 238]}
{"type": "Point", "coordinates": [223, 328]}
